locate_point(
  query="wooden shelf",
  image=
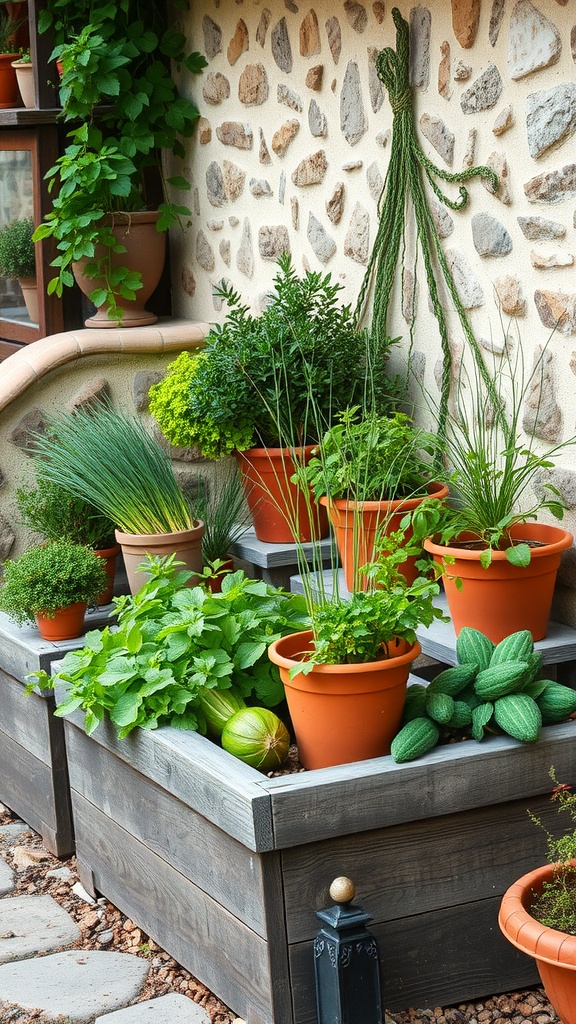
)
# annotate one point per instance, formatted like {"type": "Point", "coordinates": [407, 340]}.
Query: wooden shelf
{"type": "Point", "coordinates": [26, 117]}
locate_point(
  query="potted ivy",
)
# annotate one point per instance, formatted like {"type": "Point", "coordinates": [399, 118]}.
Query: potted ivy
{"type": "Point", "coordinates": [18, 260]}
{"type": "Point", "coordinates": [370, 472]}
{"type": "Point", "coordinates": [106, 220]}
{"type": "Point", "coordinates": [537, 912]}
{"type": "Point", "coordinates": [499, 567]}
{"type": "Point", "coordinates": [56, 514]}
{"type": "Point", "coordinates": [52, 584]}
{"type": "Point", "coordinates": [248, 392]}
{"type": "Point", "coordinates": [25, 77]}
{"type": "Point", "coordinates": [111, 461]}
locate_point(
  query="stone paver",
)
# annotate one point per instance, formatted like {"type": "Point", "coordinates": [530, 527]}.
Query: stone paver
{"type": "Point", "coordinates": [6, 878]}
{"type": "Point", "coordinates": [33, 924]}
{"type": "Point", "coordinates": [13, 830]}
{"type": "Point", "coordinates": [171, 1009]}
{"type": "Point", "coordinates": [78, 984]}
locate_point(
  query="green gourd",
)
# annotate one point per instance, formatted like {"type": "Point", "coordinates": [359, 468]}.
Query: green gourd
{"type": "Point", "coordinates": [499, 680]}
{"type": "Point", "coordinates": [516, 647]}
{"type": "Point", "coordinates": [453, 680]}
{"type": "Point", "coordinates": [256, 736]}
{"type": "Point", "coordinates": [218, 706]}
{"type": "Point", "coordinates": [519, 716]}
{"type": "Point", "coordinates": [556, 702]}
{"type": "Point", "coordinates": [414, 739]}
{"type": "Point", "coordinates": [473, 648]}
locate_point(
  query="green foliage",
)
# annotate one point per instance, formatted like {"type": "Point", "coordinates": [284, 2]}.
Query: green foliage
{"type": "Point", "coordinates": [58, 515]}
{"type": "Point", "coordinates": [374, 458]}
{"type": "Point", "coordinates": [17, 252]}
{"type": "Point", "coordinates": [47, 578]}
{"type": "Point", "coordinates": [110, 461]}
{"type": "Point", "coordinates": [555, 906]}
{"type": "Point", "coordinates": [276, 379]}
{"type": "Point", "coordinates": [173, 643]}
{"type": "Point", "coordinates": [499, 473]}
{"type": "Point", "coordinates": [115, 57]}
{"type": "Point", "coordinates": [365, 627]}
{"type": "Point", "coordinates": [497, 689]}
{"type": "Point", "coordinates": [222, 508]}
{"type": "Point", "coordinates": [8, 28]}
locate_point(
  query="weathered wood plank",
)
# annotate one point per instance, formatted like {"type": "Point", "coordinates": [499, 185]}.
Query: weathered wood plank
{"type": "Point", "coordinates": [435, 959]}
{"type": "Point", "coordinates": [23, 650]}
{"type": "Point", "coordinates": [27, 719]}
{"type": "Point", "coordinates": [29, 788]}
{"type": "Point", "coordinates": [193, 768]}
{"type": "Point", "coordinates": [420, 867]}
{"type": "Point", "coordinates": [220, 865]}
{"type": "Point", "coordinates": [378, 793]}
{"type": "Point", "coordinates": [191, 926]}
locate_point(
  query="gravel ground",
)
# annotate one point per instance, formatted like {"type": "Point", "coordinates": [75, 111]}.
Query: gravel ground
{"type": "Point", "coordinates": [103, 926]}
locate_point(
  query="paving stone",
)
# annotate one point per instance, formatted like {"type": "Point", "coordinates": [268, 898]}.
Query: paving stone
{"type": "Point", "coordinates": [557, 310]}
{"type": "Point", "coordinates": [357, 240]}
{"type": "Point", "coordinates": [215, 88]}
{"type": "Point", "coordinates": [282, 187]}
{"type": "Point", "coordinates": [467, 285]}
{"type": "Point", "coordinates": [334, 34]}
{"type": "Point", "coordinates": [233, 178]}
{"type": "Point", "coordinates": [170, 1009]}
{"type": "Point", "coordinates": [420, 23]}
{"type": "Point", "coordinates": [13, 829]}
{"type": "Point", "coordinates": [310, 170]}
{"type": "Point", "coordinates": [484, 93]}
{"type": "Point", "coordinates": [204, 252]}
{"type": "Point", "coordinates": [224, 250]}
{"type": "Point", "coordinates": [143, 381]}
{"type": "Point", "coordinates": [260, 187]}
{"type": "Point", "coordinates": [253, 85]}
{"type": "Point", "coordinates": [442, 220]}
{"type": "Point", "coordinates": [550, 117]}
{"type": "Point", "coordinates": [281, 49]}
{"type": "Point", "coordinates": [375, 181]}
{"type": "Point", "coordinates": [533, 41]}
{"type": "Point", "coordinates": [32, 422]}
{"type": "Point", "coordinates": [504, 121]}
{"type": "Point", "coordinates": [7, 538]}
{"type": "Point", "coordinates": [204, 131]}
{"type": "Point", "coordinates": [542, 414]}
{"type": "Point", "coordinates": [245, 254]}
{"type": "Point", "coordinates": [499, 164]}
{"type": "Point", "coordinates": [285, 135]}
{"type": "Point", "coordinates": [289, 97]}
{"type": "Point", "coordinates": [552, 260]}
{"type": "Point", "coordinates": [77, 984]}
{"type": "Point", "coordinates": [444, 71]}
{"type": "Point", "coordinates": [465, 19]}
{"type": "Point", "coordinates": [509, 292]}
{"type": "Point", "coordinates": [534, 228]}
{"type": "Point", "coordinates": [462, 71]}
{"type": "Point", "coordinates": [353, 120]}
{"type": "Point", "coordinates": [263, 152]}
{"type": "Point", "coordinates": [314, 77]}
{"type": "Point", "coordinates": [379, 11]}
{"type": "Point", "coordinates": [215, 184]}
{"type": "Point", "coordinates": [470, 151]}
{"type": "Point", "coordinates": [31, 925]}
{"type": "Point", "coordinates": [6, 878]}
{"type": "Point", "coordinates": [335, 205]}
{"type": "Point", "coordinates": [233, 133]}
{"type": "Point", "coordinates": [273, 241]}
{"type": "Point", "coordinates": [295, 209]}
{"type": "Point", "coordinates": [92, 393]}
{"type": "Point", "coordinates": [263, 26]}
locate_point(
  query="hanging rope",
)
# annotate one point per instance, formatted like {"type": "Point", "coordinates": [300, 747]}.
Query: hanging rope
{"type": "Point", "coordinates": [407, 169]}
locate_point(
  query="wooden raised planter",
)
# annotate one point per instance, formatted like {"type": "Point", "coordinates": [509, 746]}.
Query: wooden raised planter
{"type": "Point", "coordinates": [33, 770]}
{"type": "Point", "coordinates": [225, 867]}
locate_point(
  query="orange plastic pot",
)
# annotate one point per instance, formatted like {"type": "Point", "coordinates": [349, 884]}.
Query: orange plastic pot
{"type": "Point", "coordinates": [214, 583]}
{"type": "Point", "coordinates": [109, 555]}
{"type": "Point", "coordinates": [357, 524]}
{"type": "Point", "coordinates": [343, 713]}
{"type": "Point", "coordinates": [66, 624]}
{"type": "Point", "coordinates": [554, 951]}
{"type": "Point", "coordinates": [277, 505]}
{"type": "Point", "coordinates": [503, 598]}
{"type": "Point", "coordinates": [185, 544]}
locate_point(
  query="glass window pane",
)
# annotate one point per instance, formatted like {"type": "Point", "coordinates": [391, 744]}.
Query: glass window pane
{"type": "Point", "coordinates": [16, 203]}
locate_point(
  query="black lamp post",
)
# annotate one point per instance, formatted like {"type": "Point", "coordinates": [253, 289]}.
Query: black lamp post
{"type": "Point", "coordinates": [346, 962]}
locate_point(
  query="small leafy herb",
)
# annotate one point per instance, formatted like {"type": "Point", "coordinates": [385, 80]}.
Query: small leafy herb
{"type": "Point", "coordinates": [57, 515]}
{"type": "Point", "coordinates": [171, 644]}
{"type": "Point", "coordinates": [50, 577]}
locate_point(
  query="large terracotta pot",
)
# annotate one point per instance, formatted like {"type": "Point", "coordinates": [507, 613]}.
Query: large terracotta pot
{"type": "Point", "coordinates": [109, 555]}
{"type": "Point", "coordinates": [186, 544]}
{"type": "Point", "coordinates": [357, 523]}
{"type": "Point", "coordinates": [275, 502]}
{"type": "Point", "coordinates": [503, 598]}
{"type": "Point", "coordinates": [343, 713]}
{"type": "Point", "coordinates": [554, 951]}
{"type": "Point", "coordinates": [66, 624]}
{"type": "Point", "coordinates": [145, 252]}
{"type": "Point", "coordinates": [9, 95]}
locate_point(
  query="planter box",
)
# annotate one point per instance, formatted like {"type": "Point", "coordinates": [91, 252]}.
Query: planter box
{"type": "Point", "coordinates": [225, 867]}
{"type": "Point", "coordinates": [33, 771]}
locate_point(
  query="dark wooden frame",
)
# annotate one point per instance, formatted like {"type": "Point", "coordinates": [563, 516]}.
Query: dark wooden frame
{"type": "Point", "coordinates": [225, 867]}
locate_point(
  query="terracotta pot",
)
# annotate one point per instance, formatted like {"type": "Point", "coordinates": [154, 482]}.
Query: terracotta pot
{"type": "Point", "coordinates": [343, 713]}
{"type": "Point", "coordinates": [214, 583]}
{"type": "Point", "coordinates": [66, 624]}
{"type": "Point", "coordinates": [554, 951]}
{"type": "Point", "coordinates": [110, 555]}
{"type": "Point", "coordinates": [503, 598]}
{"type": "Point", "coordinates": [29, 291]}
{"type": "Point", "coordinates": [187, 544]}
{"type": "Point", "coordinates": [275, 502]}
{"type": "Point", "coordinates": [9, 95]}
{"type": "Point", "coordinates": [356, 525]}
{"type": "Point", "coordinates": [146, 252]}
{"type": "Point", "coordinates": [25, 79]}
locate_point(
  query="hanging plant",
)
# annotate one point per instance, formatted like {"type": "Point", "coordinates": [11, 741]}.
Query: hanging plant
{"type": "Point", "coordinates": [408, 171]}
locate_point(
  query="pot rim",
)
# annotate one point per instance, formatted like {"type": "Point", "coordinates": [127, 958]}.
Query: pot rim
{"type": "Point", "coordinates": [263, 453]}
{"type": "Point", "coordinates": [514, 918]}
{"type": "Point", "coordinates": [439, 492]}
{"type": "Point", "coordinates": [149, 538]}
{"type": "Point", "coordinates": [409, 653]}
{"type": "Point", "coordinates": [559, 540]}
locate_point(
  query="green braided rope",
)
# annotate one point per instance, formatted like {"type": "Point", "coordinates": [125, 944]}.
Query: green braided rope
{"type": "Point", "coordinates": [407, 168]}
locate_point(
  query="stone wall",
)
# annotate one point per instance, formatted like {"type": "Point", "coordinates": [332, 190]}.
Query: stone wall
{"type": "Point", "coordinates": [293, 145]}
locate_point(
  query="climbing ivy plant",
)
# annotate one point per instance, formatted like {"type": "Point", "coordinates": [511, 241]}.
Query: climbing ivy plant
{"type": "Point", "coordinates": [405, 187]}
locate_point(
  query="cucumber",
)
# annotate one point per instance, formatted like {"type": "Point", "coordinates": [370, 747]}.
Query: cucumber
{"type": "Point", "coordinates": [415, 702]}
{"type": "Point", "coordinates": [439, 706]}
{"type": "Point", "coordinates": [519, 716]}
{"type": "Point", "coordinates": [481, 715]}
{"type": "Point", "coordinates": [516, 647]}
{"type": "Point", "coordinates": [218, 706]}
{"type": "Point", "coordinates": [499, 680]}
{"type": "Point", "coordinates": [473, 648]}
{"type": "Point", "coordinates": [414, 739]}
{"type": "Point", "coordinates": [556, 702]}
{"type": "Point", "coordinates": [453, 680]}
{"type": "Point", "coordinates": [462, 715]}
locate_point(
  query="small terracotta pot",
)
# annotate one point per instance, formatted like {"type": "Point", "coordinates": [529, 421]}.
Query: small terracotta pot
{"type": "Point", "coordinates": [110, 555]}
{"type": "Point", "coordinates": [186, 544]}
{"type": "Point", "coordinates": [66, 624]}
{"type": "Point", "coordinates": [357, 524]}
{"type": "Point", "coordinates": [9, 95]}
{"type": "Point", "coordinates": [343, 713]}
{"type": "Point", "coordinates": [29, 289]}
{"type": "Point", "coordinates": [276, 503]}
{"type": "Point", "coordinates": [145, 252]}
{"type": "Point", "coordinates": [503, 598]}
{"type": "Point", "coordinates": [554, 951]}
{"type": "Point", "coordinates": [214, 583]}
